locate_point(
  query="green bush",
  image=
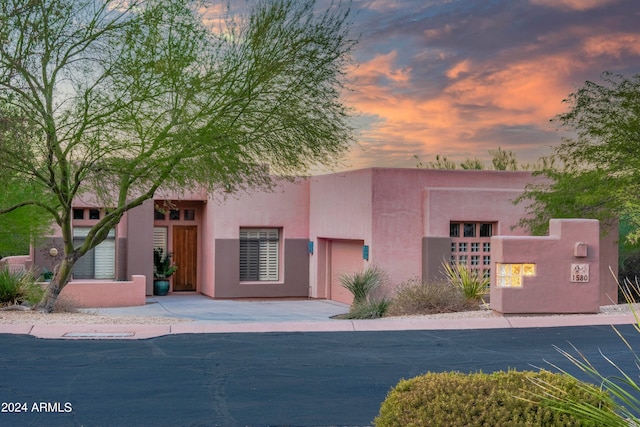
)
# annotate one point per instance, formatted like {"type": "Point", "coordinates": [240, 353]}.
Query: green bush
{"type": "Point", "coordinates": [509, 399]}
{"type": "Point", "coordinates": [18, 288]}
{"type": "Point", "coordinates": [415, 297]}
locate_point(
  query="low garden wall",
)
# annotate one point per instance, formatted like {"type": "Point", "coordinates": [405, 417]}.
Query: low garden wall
{"type": "Point", "coordinates": [104, 294]}
{"type": "Point", "coordinates": [558, 273]}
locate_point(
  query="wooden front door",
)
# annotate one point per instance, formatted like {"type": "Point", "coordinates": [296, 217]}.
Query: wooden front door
{"type": "Point", "coordinates": [185, 256]}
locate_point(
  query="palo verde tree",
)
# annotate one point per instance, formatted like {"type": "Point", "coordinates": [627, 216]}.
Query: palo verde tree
{"type": "Point", "coordinates": [123, 97]}
{"type": "Point", "coordinates": [598, 165]}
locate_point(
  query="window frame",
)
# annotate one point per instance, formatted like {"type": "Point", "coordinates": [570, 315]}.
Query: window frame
{"type": "Point", "coordinates": [260, 254]}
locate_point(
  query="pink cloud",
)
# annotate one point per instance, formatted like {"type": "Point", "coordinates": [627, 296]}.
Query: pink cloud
{"type": "Point", "coordinates": [614, 45]}
{"type": "Point", "coordinates": [381, 66]}
{"type": "Point", "coordinates": [580, 5]}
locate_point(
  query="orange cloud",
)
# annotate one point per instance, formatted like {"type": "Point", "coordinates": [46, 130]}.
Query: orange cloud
{"type": "Point", "coordinates": [614, 45]}
{"type": "Point", "coordinates": [580, 5]}
{"type": "Point", "coordinates": [458, 69]}
{"type": "Point", "coordinates": [479, 97]}
{"type": "Point", "coordinates": [381, 66]}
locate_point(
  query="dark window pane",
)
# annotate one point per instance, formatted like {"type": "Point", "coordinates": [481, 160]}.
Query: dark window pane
{"type": "Point", "coordinates": [78, 214]}
{"type": "Point", "coordinates": [189, 214]}
{"type": "Point", "coordinates": [470, 230]}
{"type": "Point", "coordinates": [174, 214]}
{"type": "Point", "coordinates": [94, 214]}
{"type": "Point", "coordinates": [159, 215]}
{"type": "Point", "coordinates": [454, 230]}
{"type": "Point", "coordinates": [486, 230]}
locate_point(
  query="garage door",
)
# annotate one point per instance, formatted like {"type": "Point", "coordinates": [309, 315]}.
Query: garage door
{"type": "Point", "coordinates": [346, 258]}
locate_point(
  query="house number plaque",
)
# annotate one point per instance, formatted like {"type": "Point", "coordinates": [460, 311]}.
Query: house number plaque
{"type": "Point", "coordinates": [579, 273]}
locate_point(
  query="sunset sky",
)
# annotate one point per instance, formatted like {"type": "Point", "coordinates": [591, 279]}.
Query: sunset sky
{"type": "Point", "coordinates": [461, 77]}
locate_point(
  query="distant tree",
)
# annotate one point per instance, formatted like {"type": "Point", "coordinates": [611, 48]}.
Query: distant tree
{"type": "Point", "coordinates": [472, 164]}
{"type": "Point", "coordinates": [24, 223]}
{"type": "Point", "coordinates": [503, 160]}
{"type": "Point", "coordinates": [596, 173]}
{"type": "Point", "coordinates": [123, 97]}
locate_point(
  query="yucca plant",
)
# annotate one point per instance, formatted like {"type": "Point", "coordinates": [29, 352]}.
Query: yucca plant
{"type": "Point", "coordinates": [472, 282]}
{"type": "Point", "coordinates": [18, 287]}
{"type": "Point", "coordinates": [9, 286]}
{"type": "Point", "coordinates": [623, 387]}
{"type": "Point", "coordinates": [361, 285]}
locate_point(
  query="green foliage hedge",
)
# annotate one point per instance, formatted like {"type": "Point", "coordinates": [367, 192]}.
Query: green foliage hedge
{"type": "Point", "coordinates": [509, 399]}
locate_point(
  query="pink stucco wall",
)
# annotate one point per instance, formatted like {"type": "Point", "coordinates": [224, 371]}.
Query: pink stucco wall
{"type": "Point", "coordinates": [551, 289]}
{"type": "Point", "coordinates": [340, 209]}
{"type": "Point", "coordinates": [411, 203]}
{"type": "Point", "coordinates": [286, 205]}
{"type": "Point", "coordinates": [391, 210]}
{"type": "Point", "coordinates": [97, 293]}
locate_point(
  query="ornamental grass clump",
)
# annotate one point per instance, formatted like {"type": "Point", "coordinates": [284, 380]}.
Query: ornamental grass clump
{"type": "Point", "coordinates": [500, 399]}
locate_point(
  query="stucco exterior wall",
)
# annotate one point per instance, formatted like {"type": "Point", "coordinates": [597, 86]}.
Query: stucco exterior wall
{"type": "Point", "coordinates": [340, 207]}
{"type": "Point", "coordinates": [98, 293]}
{"type": "Point", "coordinates": [551, 289]}
{"type": "Point", "coordinates": [139, 243]}
{"type": "Point", "coordinates": [391, 210]}
{"type": "Point", "coordinates": [285, 207]}
{"type": "Point", "coordinates": [401, 215]}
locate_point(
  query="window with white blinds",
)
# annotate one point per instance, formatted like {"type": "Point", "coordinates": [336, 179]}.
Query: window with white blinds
{"type": "Point", "coordinates": [99, 262]}
{"type": "Point", "coordinates": [160, 238]}
{"type": "Point", "coordinates": [259, 254]}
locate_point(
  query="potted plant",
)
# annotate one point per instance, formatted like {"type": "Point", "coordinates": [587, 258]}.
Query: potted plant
{"type": "Point", "coordinates": [163, 268]}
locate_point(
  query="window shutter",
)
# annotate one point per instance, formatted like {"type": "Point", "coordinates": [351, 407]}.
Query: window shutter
{"type": "Point", "coordinates": [259, 259]}
{"type": "Point", "coordinates": [84, 266]}
{"type": "Point", "coordinates": [269, 255]}
{"type": "Point", "coordinates": [105, 260]}
{"type": "Point", "coordinates": [160, 238]}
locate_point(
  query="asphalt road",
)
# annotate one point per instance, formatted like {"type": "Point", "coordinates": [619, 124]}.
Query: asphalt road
{"type": "Point", "coordinates": [273, 379]}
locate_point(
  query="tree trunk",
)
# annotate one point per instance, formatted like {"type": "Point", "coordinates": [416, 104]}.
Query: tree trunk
{"type": "Point", "coordinates": [58, 282]}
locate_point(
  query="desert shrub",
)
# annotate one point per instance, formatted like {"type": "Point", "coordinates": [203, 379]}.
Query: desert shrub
{"type": "Point", "coordinates": [18, 288]}
{"type": "Point", "coordinates": [66, 304]}
{"type": "Point", "coordinates": [471, 282]}
{"type": "Point", "coordinates": [415, 297]}
{"type": "Point", "coordinates": [454, 399]}
{"type": "Point", "coordinates": [361, 285]}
